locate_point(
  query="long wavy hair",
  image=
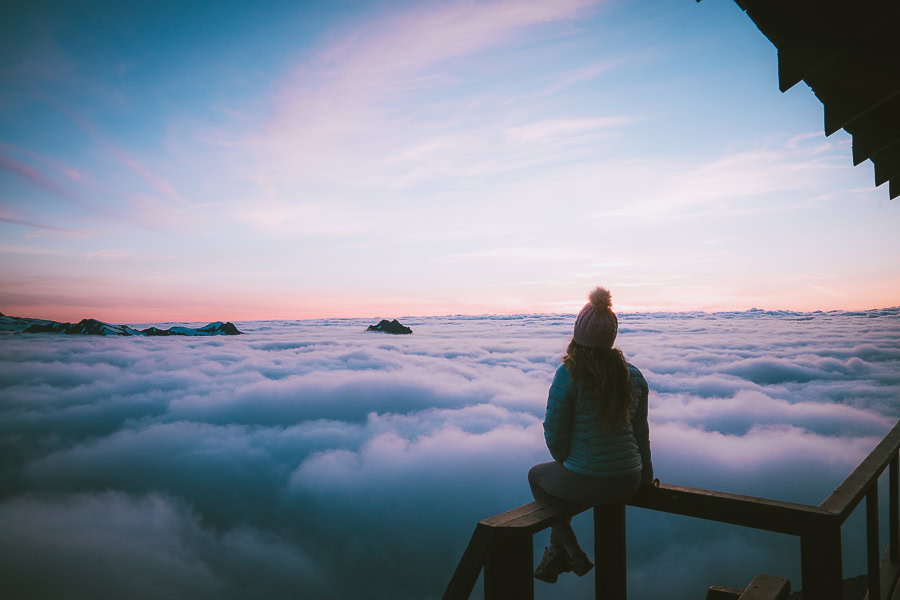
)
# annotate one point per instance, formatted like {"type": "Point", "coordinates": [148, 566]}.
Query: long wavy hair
{"type": "Point", "coordinates": [604, 375]}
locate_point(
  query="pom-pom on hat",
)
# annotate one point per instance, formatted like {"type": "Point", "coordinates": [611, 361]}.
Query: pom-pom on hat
{"type": "Point", "coordinates": [596, 325]}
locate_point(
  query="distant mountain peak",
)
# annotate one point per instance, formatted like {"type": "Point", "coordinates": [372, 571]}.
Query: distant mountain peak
{"type": "Point", "coordinates": [386, 326]}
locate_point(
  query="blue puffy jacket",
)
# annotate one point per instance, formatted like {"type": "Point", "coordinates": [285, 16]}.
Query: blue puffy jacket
{"type": "Point", "coordinates": [575, 439]}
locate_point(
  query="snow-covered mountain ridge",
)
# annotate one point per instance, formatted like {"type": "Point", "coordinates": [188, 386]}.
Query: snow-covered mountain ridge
{"type": "Point", "coordinates": [9, 325]}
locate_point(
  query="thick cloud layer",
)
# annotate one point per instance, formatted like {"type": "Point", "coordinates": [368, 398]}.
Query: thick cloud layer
{"type": "Point", "coordinates": [318, 460]}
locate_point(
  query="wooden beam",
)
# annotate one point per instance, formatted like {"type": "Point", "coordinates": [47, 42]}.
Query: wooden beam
{"type": "Point", "coordinates": [515, 513]}
{"type": "Point", "coordinates": [513, 518]}
{"type": "Point", "coordinates": [876, 131]}
{"type": "Point", "coordinates": [826, 34]}
{"type": "Point", "coordinates": [748, 511]}
{"type": "Point", "coordinates": [844, 499]}
{"type": "Point", "coordinates": [843, 109]}
{"type": "Point", "coordinates": [797, 62]}
{"type": "Point", "coordinates": [887, 164]}
{"type": "Point", "coordinates": [535, 516]}
{"type": "Point", "coordinates": [766, 16]}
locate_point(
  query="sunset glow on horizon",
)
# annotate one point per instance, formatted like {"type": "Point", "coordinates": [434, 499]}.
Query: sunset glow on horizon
{"type": "Point", "coordinates": [342, 159]}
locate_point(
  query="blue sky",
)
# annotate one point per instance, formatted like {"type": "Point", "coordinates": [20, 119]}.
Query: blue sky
{"type": "Point", "coordinates": [347, 159]}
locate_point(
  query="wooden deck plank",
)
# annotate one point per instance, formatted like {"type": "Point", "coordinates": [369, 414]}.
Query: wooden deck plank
{"type": "Point", "coordinates": [721, 592]}
{"type": "Point", "coordinates": [767, 587]}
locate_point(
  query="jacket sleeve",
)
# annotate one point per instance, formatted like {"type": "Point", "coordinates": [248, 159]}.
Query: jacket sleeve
{"type": "Point", "coordinates": [558, 420]}
{"type": "Point", "coordinates": [641, 427]}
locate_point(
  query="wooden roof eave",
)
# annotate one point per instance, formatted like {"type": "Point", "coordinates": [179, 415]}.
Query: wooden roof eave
{"type": "Point", "coordinates": [846, 53]}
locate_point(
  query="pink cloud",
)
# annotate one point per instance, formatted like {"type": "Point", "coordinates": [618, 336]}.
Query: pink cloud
{"type": "Point", "coordinates": [158, 183]}
{"type": "Point", "coordinates": [22, 170]}
{"type": "Point", "coordinates": [9, 214]}
{"type": "Point", "coordinates": [88, 195]}
{"type": "Point", "coordinates": [408, 41]}
{"type": "Point", "coordinates": [338, 108]}
{"type": "Point", "coordinates": [564, 129]}
{"type": "Point", "coordinates": [74, 174]}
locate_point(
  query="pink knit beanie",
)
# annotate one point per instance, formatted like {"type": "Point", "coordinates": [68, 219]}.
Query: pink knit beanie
{"type": "Point", "coordinates": [596, 325]}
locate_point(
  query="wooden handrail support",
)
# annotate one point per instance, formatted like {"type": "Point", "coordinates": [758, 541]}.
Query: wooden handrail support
{"type": "Point", "coordinates": [502, 544]}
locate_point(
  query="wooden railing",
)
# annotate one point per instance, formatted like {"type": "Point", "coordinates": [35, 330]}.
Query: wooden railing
{"type": "Point", "coordinates": [502, 545]}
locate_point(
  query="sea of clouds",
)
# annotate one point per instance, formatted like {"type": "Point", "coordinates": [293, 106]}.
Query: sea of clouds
{"type": "Point", "coordinates": [312, 459]}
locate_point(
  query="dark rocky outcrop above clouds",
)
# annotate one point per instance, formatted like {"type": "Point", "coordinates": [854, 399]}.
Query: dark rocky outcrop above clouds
{"type": "Point", "coordinates": [389, 327]}
{"type": "Point", "coordinates": [94, 327]}
{"type": "Point", "coordinates": [217, 328]}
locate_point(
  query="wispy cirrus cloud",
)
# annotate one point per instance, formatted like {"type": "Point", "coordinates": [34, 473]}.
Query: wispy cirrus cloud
{"type": "Point", "coordinates": [520, 253]}
{"type": "Point", "coordinates": [804, 166]}
{"type": "Point", "coordinates": [379, 109]}
{"type": "Point", "coordinates": [35, 177]}
{"type": "Point", "coordinates": [570, 78]}
{"type": "Point", "coordinates": [564, 130]}
{"type": "Point", "coordinates": [11, 214]}
{"type": "Point", "coordinates": [377, 56]}
{"type": "Point", "coordinates": [115, 151]}
{"type": "Point", "coordinates": [109, 254]}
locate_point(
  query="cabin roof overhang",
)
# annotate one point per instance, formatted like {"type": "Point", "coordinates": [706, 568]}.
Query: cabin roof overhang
{"type": "Point", "coordinates": [848, 54]}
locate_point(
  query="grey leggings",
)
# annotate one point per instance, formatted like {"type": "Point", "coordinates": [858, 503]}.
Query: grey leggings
{"type": "Point", "coordinates": [552, 480]}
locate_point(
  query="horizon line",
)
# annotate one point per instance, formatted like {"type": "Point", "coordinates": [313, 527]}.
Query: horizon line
{"type": "Point", "coordinates": [473, 315]}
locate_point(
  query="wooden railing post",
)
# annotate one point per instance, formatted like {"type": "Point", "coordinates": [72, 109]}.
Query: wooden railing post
{"type": "Point", "coordinates": [894, 507]}
{"type": "Point", "coordinates": [872, 545]}
{"type": "Point", "coordinates": [470, 565]}
{"type": "Point", "coordinates": [821, 565]}
{"type": "Point", "coordinates": [509, 565]}
{"type": "Point", "coordinates": [609, 552]}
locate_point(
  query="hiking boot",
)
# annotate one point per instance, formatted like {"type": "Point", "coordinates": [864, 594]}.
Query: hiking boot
{"type": "Point", "coordinates": [579, 563]}
{"type": "Point", "coordinates": [554, 562]}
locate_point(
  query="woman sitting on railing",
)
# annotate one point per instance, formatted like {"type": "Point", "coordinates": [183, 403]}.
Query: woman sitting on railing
{"type": "Point", "coordinates": [596, 430]}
